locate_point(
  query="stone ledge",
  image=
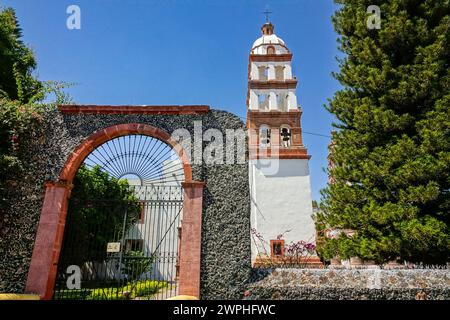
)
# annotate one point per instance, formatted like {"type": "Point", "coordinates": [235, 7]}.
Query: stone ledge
{"type": "Point", "coordinates": [107, 109]}
{"type": "Point", "coordinates": [312, 262]}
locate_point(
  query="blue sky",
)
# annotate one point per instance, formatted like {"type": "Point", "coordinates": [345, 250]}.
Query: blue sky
{"type": "Point", "coordinates": [184, 52]}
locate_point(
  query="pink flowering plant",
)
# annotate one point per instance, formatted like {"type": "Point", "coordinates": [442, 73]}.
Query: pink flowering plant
{"type": "Point", "coordinates": [295, 254]}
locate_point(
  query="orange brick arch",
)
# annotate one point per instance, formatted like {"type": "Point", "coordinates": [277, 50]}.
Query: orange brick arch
{"type": "Point", "coordinates": [87, 146]}
{"type": "Point", "coordinates": [47, 247]}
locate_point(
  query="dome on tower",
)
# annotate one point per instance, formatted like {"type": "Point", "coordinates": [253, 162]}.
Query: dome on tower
{"type": "Point", "coordinates": [269, 39]}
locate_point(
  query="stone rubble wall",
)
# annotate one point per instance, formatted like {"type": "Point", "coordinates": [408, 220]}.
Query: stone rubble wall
{"type": "Point", "coordinates": [226, 261]}
{"type": "Point", "coordinates": [343, 284]}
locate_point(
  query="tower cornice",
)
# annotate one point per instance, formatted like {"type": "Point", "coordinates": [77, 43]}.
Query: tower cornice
{"type": "Point", "coordinates": [271, 57]}
{"type": "Point", "coordinates": [273, 84]}
{"type": "Point", "coordinates": [278, 153]}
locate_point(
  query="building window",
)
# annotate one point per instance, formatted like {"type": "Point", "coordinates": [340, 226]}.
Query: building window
{"type": "Point", "coordinates": [270, 50]}
{"type": "Point", "coordinates": [276, 248]}
{"type": "Point", "coordinates": [263, 73]}
{"type": "Point", "coordinates": [279, 73]}
{"type": "Point", "coordinates": [264, 136]}
{"type": "Point", "coordinates": [285, 136]}
{"type": "Point", "coordinates": [134, 245]}
{"type": "Point", "coordinates": [263, 102]}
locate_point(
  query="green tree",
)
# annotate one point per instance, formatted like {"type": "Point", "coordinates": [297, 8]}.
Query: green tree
{"type": "Point", "coordinates": [391, 153]}
{"type": "Point", "coordinates": [16, 122]}
{"type": "Point", "coordinates": [20, 112]}
{"type": "Point", "coordinates": [101, 208]}
{"type": "Point", "coordinates": [17, 61]}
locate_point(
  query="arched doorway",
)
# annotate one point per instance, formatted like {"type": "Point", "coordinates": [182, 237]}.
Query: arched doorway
{"type": "Point", "coordinates": [165, 184]}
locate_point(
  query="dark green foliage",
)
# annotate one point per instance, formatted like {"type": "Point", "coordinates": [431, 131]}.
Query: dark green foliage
{"type": "Point", "coordinates": [392, 148]}
{"type": "Point", "coordinates": [135, 264]}
{"type": "Point", "coordinates": [20, 114]}
{"type": "Point", "coordinates": [16, 122]}
{"type": "Point", "coordinates": [17, 61]}
{"type": "Point", "coordinates": [101, 208]}
{"type": "Point", "coordinates": [142, 289]}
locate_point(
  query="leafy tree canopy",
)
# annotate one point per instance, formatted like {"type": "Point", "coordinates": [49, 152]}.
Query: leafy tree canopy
{"type": "Point", "coordinates": [17, 61]}
{"type": "Point", "coordinates": [21, 102]}
{"type": "Point", "coordinates": [101, 208]}
{"type": "Point", "coordinates": [391, 152]}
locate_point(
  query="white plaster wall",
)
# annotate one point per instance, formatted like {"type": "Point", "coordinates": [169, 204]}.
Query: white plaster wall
{"type": "Point", "coordinates": [271, 75]}
{"type": "Point", "coordinates": [253, 103]}
{"type": "Point", "coordinates": [292, 100]}
{"type": "Point", "coordinates": [281, 201]}
{"type": "Point", "coordinates": [157, 225]}
{"type": "Point", "coordinates": [254, 73]}
{"type": "Point", "coordinates": [288, 71]}
{"type": "Point", "coordinates": [268, 42]}
{"type": "Point", "coordinates": [273, 105]}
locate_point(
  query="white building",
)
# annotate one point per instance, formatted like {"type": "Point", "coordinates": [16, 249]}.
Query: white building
{"type": "Point", "coordinates": [278, 167]}
{"type": "Point", "coordinates": [157, 232]}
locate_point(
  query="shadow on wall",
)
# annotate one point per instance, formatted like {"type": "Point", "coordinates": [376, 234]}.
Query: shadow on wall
{"type": "Point", "coordinates": [258, 274]}
{"type": "Point", "coordinates": [290, 168]}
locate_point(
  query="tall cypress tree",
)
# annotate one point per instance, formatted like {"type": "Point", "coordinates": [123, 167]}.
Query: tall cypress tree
{"type": "Point", "coordinates": [391, 152]}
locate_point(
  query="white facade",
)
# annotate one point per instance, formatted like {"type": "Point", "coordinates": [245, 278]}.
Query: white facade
{"type": "Point", "coordinates": [281, 202]}
{"type": "Point", "coordinates": [159, 229]}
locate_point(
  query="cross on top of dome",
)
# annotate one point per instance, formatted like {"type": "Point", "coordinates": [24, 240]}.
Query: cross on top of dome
{"type": "Point", "coordinates": [267, 13]}
{"type": "Point", "coordinates": [267, 28]}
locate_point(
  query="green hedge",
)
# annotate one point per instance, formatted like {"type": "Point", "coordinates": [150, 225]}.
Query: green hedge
{"type": "Point", "coordinates": [142, 289]}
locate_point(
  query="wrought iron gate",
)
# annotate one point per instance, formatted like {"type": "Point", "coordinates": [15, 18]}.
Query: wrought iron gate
{"type": "Point", "coordinates": [128, 250]}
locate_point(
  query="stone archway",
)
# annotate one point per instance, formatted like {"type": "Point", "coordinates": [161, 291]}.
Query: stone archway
{"type": "Point", "coordinates": [43, 267]}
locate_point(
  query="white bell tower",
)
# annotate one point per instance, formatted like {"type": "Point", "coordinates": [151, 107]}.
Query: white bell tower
{"type": "Point", "coordinates": [278, 165]}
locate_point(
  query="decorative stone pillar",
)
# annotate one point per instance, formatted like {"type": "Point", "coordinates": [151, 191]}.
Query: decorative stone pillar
{"type": "Point", "coordinates": [273, 101]}
{"type": "Point", "coordinates": [287, 71]}
{"type": "Point", "coordinates": [47, 247]}
{"type": "Point", "coordinates": [254, 100]}
{"type": "Point", "coordinates": [190, 249]}
{"type": "Point", "coordinates": [254, 73]}
{"type": "Point", "coordinates": [292, 101]}
{"type": "Point", "coordinates": [271, 74]}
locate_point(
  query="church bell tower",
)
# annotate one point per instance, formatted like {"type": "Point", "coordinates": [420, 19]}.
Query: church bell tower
{"type": "Point", "coordinates": [280, 188]}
